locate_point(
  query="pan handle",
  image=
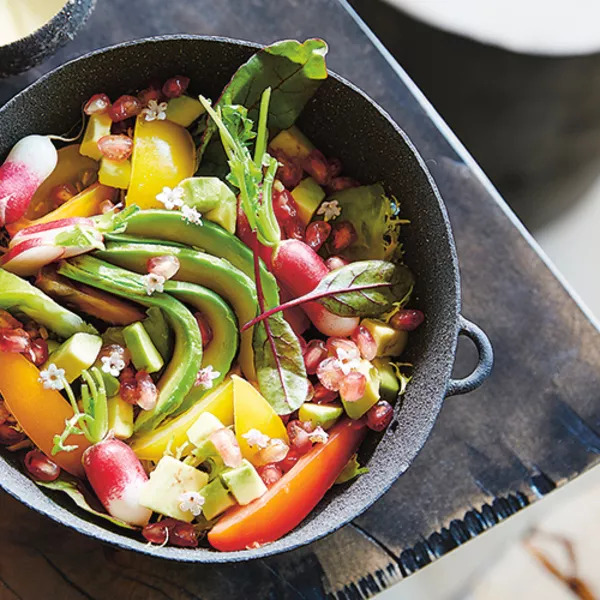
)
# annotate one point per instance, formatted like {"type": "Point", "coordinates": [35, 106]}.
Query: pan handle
{"type": "Point", "coordinates": [484, 364]}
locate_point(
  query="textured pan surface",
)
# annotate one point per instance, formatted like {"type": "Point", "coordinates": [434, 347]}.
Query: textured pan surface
{"type": "Point", "coordinates": [342, 122]}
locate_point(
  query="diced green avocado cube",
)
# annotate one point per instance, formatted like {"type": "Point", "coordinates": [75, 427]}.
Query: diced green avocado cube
{"type": "Point", "coordinates": [208, 454]}
{"type": "Point", "coordinates": [293, 143]}
{"type": "Point", "coordinates": [358, 408]}
{"type": "Point", "coordinates": [320, 415]}
{"type": "Point", "coordinates": [115, 173]}
{"type": "Point", "coordinates": [168, 482]}
{"type": "Point", "coordinates": [389, 386]}
{"type": "Point", "coordinates": [244, 483]}
{"type": "Point", "coordinates": [75, 355]}
{"type": "Point", "coordinates": [111, 384]}
{"type": "Point", "coordinates": [390, 341]}
{"type": "Point", "coordinates": [203, 427]}
{"type": "Point", "coordinates": [98, 126]}
{"type": "Point", "coordinates": [158, 329]}
{"type": "Point", "coordinates": [120, 418]}
{"type": "Point", "coordinates": [184, 110]}
{"type": "Point", "coordinates": [53, 346]}
{"type": "Point", "coordinates": [216, 499]}
{"type": "Point", "coordinates": [144, 355]}
{"type": "Point", "coordinates": [308, 194]}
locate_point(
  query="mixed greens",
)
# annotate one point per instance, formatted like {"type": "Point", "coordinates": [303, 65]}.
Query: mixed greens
{"type": "Point", "coordinates": [200, 314]}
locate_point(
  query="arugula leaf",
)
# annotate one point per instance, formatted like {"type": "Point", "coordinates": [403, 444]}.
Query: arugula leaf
{"type": "Point", "coordinates": [293, 70]}
{"type": "Point", "coordinates": [281, 373]}
{"type": "Point", "coordinates": [346, 302]}
{"type": "Point", "coordinates": [73, 490]}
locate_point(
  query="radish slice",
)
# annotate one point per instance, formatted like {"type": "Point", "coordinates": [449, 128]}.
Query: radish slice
{"type": "Point", "coordinates": [28, 164]}
{"type": "Point", "coordinates": [53, 228]}
{"type": "Point", "coordinates": [117, 477]}
{"type": "Point", "coordinates": [29, 256]}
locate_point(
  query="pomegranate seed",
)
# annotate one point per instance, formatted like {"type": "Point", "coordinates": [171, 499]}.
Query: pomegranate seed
{"type": "Point", "coordinates": [183, 535]}
{"type": "Point", "coordinates": [289, 461]}
{"type": "Point", "coordinates": [349, 349]}
{"type": "Point", "coordinates": [227, 446]}
{"type": "Point", "coordinates": [307, 426]}
{"type": "Point", "coordinates": [335, 262]}
{"type": "Point", "coordinates": [9, 435]}
{"type": "Point", "coordinates": [330, 373]}
{"type": "Point", "coordinates": [315, 353]}
{"type": "Point", "coordinates": [294, 229]}
{"type": "Point", "coordinates": [150, 93]}
{"type": "Point", "coordinates": [116, 147]}
{"type": "Point", "coordinates": [8, 321]}
{"type": "Point", "coordinates": [14, 340]}
{"type": "Point", "coordinates": [205, 329]}
{"type": "Point", "coordinates": [285, 206]}
{"type": "Point", "coordinates": [299, 437]}
{"type": "Point", "coordinates": [343, 235]}
{"type": "Point", "coordinates": [289, 172]}
{"type": "Point", "coordinates": [38, 353]}
{"type": "Point", "coordinates": [352, 387]}
{"type": "Point", "coordinates": [365, 341]}
{"type": "Point", "coordinates": [317, 234]}
{"type": "Point", "coordinates": [407, 319]}
{"type": "Point", "coordinates": [157, 533]}
{"type": "Point", "coordinates": [380, 416]}
{"type": "Point", "coordinates": [270, 474]}
{"type": "Point", "coordinates": [124, 108]}
{"type": "Point", "coordinates": [106, 206]}
{"type": "Point", "coordinates": [176, 86]}
{"type": "Point", "coordinates": [97, 104]}
{"type": "Point", "coordinates": [322, 395]}
{"type": "Point", "coordinates": [166, 265]}
{"type": "Point", "coordinates": [337, 184]}
{"type": "Point", "coordinates": [275, 452]}
{"type": "Point", "coordinates": [315, 164]}
{"type": "Point", "coordinates": [147, 394]}
{"type": "Point", "coordinates": [61, 193]}
{"type": "Point", "coordinates": [40, 466]}
{"type": "Point", "coordinates": [335, 167]}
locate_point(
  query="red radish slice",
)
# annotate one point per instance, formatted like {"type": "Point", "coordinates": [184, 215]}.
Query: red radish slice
{"type": "Point", "coordinates": [117, 476]}
{"type": "Point", "coordinates": [50, 229]}
{"type": "Point", "coordinates": [29, 256]}
{"type": "Point", "coordinates": [28, 164]}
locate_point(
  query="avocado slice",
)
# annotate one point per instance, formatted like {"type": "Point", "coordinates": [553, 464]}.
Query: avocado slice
{"type": "Point", "coordinates": [308, 194]}
{"type": "Point", "coordinates": [144, 355]}
{"type": "Point", "coordinates": [98, 126]}
{"type": "Point", "coordinates": [184, 110]}
{"type": "Point", "coordinates": [320, 415]}
{"type": "Point", "coordinates": [76, 354]}
{"type": "Point", "coordinates": [357, 408]}
{"type": "Point", "coordinates": [390, 341]}
{"type": "Point", "coordinates": [213, 198]}
{"type": "Point", "coordinates": [158, 329]}
{"type": "Point", "coordinates": [293, 143]}
{"type": "Point", "coordinates": [244, 483]}
{"type": "Point", "coordinates": [217, 499]}
{"type": "Point", "coordinates": [389, 386]}
{"type": "Point", "coordinates": [180, 375]}
{"type": "Point", "coordinates": [171, 478]}
{"type": "Point", "coordinates": [120, 418]}
{"type": "Point", "coordinates": [199, 268]}
{"type": "Point", "coordinates": [115, 173]}
{"type": "Point", "coordinates": [205, 425]}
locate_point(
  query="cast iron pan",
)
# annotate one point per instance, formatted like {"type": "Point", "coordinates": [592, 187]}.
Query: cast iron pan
{"type": "Point", "coordinates": [342, 122]}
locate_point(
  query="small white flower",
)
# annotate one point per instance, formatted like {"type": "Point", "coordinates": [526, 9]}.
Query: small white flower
{"type": "Point", "coordinates": [191, 502]}
{"type": "Point", "coordinates": [318, 436]}
{"type": "Point", "coordinates": [155, 111]}
{"type": "Point", "coordinates": [113, 364]}
{"type": "Point", "coordinates": [348, 360]}
{"type": "Point", "coordinates": [205, 377]}
{"type": "Point", "coordinates": [254, 437]}
{"type": "Point", "coordinates": [171, 198]}
{"type": "Point", "coordinates": [329, 210]}
{"type": "Point", "coordinates": [153, 283]}
{"type": "Point", "coordinates": [191, 215]}
{"type": "Point", "coordinates": [52, 378]}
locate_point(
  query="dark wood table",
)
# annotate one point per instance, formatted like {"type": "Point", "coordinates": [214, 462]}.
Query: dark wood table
{"type": "Point", "coordinates": [533, 426]}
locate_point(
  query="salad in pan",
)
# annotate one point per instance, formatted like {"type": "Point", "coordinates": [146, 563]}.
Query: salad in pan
{"type": "Point", "coordinates": [201, 315]}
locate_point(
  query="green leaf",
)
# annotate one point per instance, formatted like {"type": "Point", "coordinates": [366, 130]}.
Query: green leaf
{"type": "Point", "coordinates": [394, 281]}
{"type": "Point", "coordinates": [281, 374]}
{"type": "Point", "coordinates": [351, 470]}
{"type": "Point", "coordinates": [74, 491]}
{"type": "Point", "coordinates": [293, 70]}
